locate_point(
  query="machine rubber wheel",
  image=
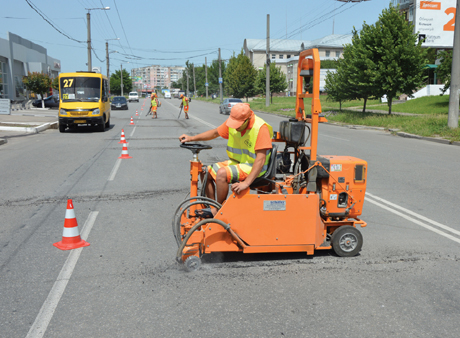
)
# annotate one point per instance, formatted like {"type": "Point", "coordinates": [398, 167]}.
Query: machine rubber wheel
{"type": "Point", "coordinates": [192, 263]}
{"type": "Point", "coordinates": [107, 125]}
{"type": "Point", "coordinates": [62, 127]}
{"type": "Point", "coordinates": [347, 241]}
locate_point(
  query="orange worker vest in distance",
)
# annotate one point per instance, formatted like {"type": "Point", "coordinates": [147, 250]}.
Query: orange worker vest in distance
{"type": "Point", "coordinates": [185, 101]}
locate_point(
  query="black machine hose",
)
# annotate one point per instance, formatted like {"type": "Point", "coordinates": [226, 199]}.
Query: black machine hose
{"type": "Point", "coordinates": [176, 219]}
{"type": "Point", "coordinates": [193, 229]}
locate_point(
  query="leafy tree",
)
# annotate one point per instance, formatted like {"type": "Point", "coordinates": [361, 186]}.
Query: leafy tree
{"type": "Point", "coordinates": [354, 71]}
{"type": "Point", "coordinates": [240, 76]}
{"type": "Point", "coordinates": [213, 76]}
{"type": "Point", "coordinates": [335, 86]}
{"type": "Point", "coordinates": [55, 83]}
{"type": "Point", "coordinates": [444, 70]}
{"type": "Point", "coordinates": [329, 64]}
{"type": "Point", "coordinates": [37, 83]}
{"type": "Point", "coordinates": [278, 81]}
{"type": "Point", "coordinates": [115, 82]}
{"type": "Point", "coordinates": [397, 55]}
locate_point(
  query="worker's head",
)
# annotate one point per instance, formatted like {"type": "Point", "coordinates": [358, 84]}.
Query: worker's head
{"type": "Point", "coordinates": [181, 95]}
{"type": "Point", "coordinates": [238, 115]}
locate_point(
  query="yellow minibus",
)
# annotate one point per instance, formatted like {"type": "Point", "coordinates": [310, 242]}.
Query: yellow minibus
{"type": "Point", "coordinates": [83, 99]}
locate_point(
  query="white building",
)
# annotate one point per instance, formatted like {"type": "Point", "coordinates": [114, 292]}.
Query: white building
{"type": "Point", "coordinates": [285, 53]}
{"type": "Point", "coordinates": [19, 56]}
{"type": "Point", "coordinates": [148, 78]}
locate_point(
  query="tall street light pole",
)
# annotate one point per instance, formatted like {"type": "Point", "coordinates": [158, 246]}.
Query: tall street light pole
{"type": "Point", "coordinates": [452, 119]}
{"type": "Point", "coordinates": [88, 26]}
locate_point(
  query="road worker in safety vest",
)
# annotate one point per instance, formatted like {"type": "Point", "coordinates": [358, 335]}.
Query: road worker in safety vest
{"type": "Point", "coordinates": [248, 148]}
{"type": "Point", "coordinates": [184, 104]}
{"type": "Point", "coordinates": [153, 105]}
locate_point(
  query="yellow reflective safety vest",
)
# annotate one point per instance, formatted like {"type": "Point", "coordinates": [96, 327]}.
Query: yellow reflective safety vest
{"type": "Point", "coordinates": [241, 148]}
{"type": "Point", "coordinates": [154, 102]}
{"type": "Point", "coordinates": [185, 101]}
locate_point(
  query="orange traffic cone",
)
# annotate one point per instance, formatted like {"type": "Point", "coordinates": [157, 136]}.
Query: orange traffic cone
{"type": "Point", "coordinates": [70, 237]}
{"type": "Point", "coordinates": [137, 113]}
{"type": "Point", "coordinates": [132, 121]}
{"type": "Point", "coordinates": [122, 138]}
{"type": "Point", "coordinates": [124, 152]}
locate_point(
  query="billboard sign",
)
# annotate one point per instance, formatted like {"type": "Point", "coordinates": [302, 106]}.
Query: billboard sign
{"type": "Point", "coordinates": [435, 22]}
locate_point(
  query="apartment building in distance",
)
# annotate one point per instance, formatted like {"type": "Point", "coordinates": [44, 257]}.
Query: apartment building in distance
{"type": "Point", "coordinates": [146, 79]}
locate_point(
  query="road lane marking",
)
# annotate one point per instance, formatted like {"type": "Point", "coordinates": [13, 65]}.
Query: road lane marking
{"type": "Point", "coordinates": [132, 133]}
{"type": "Point", "coordinates": [114, 170]}
{"type": "Point", "coordinates": [423, 218]}
{"type": "Point", "coordinates": [46, 313]}
{"type": "Point", "coordinates": [204, 122]}
{"type": "Point", "coordinates": [337, 138]}
{"type": "Point", "coordinates": [413, 220]}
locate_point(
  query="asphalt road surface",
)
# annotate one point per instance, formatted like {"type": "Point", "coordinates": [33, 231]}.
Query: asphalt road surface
{"type": "Point", "coordinates": [404, 283]}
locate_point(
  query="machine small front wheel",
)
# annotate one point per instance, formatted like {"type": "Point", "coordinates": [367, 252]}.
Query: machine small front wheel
{"type": "Point", "coordinates": [192, 263]}
{"type": "Point", "coordinates": [347, 241]}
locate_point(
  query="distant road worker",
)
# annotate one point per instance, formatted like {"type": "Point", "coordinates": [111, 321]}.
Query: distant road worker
{"type": "Point", "coordinates": [154, 105]}
{"type": "Point", "coordinates": [184, 104]}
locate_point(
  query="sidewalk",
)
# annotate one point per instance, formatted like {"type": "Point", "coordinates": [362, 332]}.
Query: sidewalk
{"type": "Point", "coordinates": [27, 121]}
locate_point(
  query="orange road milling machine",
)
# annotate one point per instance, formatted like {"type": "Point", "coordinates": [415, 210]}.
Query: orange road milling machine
{"type": "Point", "coordinates": [304, 202]}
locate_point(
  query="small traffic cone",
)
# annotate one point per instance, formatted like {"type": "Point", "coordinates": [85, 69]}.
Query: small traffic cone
{"type": "Point", "coordinates": [137, 113]}
{"type": "Point", "coordinates": [132, 121]}
{"type": "Point", "coordinates": [122, 138]}
{"type": "Point", "coordinates": [124, 152]}
{"type": "Point", "coordinates": [70, 237]}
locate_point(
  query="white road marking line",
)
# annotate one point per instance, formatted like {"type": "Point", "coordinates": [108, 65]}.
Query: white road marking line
{"type": "Point", "coordinates": [413, 220]}
{"type": "Point", "coordinates": [423, 218]}
{"type": "Point", "coordinates": [337, 138]}
{"type": "Point", "coordinates": [204, 122]}
{"type": "Point", "coordinates": [114, 170]}
{"type": "Point", "coordinates": [45, 315]}
{"type": "Point", "coordinates": [132, 133]}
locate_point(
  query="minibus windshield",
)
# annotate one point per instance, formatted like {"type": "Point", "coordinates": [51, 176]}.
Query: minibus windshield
{"type": "Point", "coordinates": [80, 89]}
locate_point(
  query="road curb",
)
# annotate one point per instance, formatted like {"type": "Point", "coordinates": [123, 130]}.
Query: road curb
{"type": "Point", "coordinates": [31, 130]}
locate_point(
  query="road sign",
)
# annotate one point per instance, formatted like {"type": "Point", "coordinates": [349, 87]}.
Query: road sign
{"type": "Point", "coordinates": [206, 84]}
{"type": "Point", "coordinates": [220, 80]}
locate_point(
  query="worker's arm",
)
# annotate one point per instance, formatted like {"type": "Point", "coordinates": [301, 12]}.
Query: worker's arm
{"type": "Point", "coordinates": [256, 169]}
{"type": "Point", "coordinates": [206, 136]}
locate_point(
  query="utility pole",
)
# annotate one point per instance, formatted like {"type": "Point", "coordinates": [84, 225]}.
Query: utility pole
{"type": "Point", "coordinates": [452, 119]}
{"type": "Point", "coordinates": [194, 83]}
{"type": "Point", "coordinates": [88, 26]}
{"type": "Point", "coordinates": [188, 92]}
{"type": "Point", "coordinates": [220, 80]}
{"type": "Point", "coordinates": [206, 75]}
{"type": "Point", "coordinates": [108, 63]}
{"type": "Point", "coordinates": [267, 77]}
{"type": "Point", "coordinates": [121, 79]}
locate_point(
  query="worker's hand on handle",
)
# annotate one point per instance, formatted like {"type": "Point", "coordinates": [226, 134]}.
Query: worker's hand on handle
{"type": "Point", "coordinates": [185, 138]}
{"type": "Point", "coordinates": [239, 187]}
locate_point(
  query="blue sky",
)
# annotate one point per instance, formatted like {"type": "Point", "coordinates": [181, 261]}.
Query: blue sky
{"type": "Point", "coordinates": [170, 32]}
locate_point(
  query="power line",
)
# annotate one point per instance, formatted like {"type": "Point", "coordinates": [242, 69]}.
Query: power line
{"type": "Point", "coordinates": [123, 28]}
{"type": "Point", "coordinates": [52, 25]}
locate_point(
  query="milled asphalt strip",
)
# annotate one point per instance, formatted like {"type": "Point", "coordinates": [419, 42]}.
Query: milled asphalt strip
{"type": "Point", "coordinates": [45, 315]}
{"type": "Point", "coordinates": [413, 220]}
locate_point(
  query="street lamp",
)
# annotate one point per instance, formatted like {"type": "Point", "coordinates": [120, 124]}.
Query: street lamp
{"type": "Point", "coordinates": [88, 24]}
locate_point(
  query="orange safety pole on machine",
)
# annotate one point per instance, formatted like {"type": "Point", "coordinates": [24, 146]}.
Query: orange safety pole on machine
{"type": "Point", "coordinates": [309, 66]}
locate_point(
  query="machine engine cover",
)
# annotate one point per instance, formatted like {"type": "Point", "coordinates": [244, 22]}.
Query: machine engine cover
{"type": "Point", "coordinates": [292, 131]}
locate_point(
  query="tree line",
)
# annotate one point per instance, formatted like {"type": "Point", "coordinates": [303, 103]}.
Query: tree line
{"type": "Point", "coordinates": [385, 58]}
{"type": "Point", "coordinates": [240, 78]}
